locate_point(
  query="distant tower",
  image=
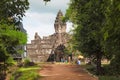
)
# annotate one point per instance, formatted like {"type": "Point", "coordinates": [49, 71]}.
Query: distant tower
{"type": "Point", "coordinates": [59, 25]}
{"type": "Point", "coordinates": [37, 37]}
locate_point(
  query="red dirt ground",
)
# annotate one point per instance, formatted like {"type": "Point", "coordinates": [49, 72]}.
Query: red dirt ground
{"type": "Point", "coordinates": [64, 72]}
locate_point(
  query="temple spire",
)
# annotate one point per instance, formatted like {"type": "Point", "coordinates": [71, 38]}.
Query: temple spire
{"type": "Point", "coordinates": [59, 25]}
{"type": "Point", "coordinates": [37, 36]}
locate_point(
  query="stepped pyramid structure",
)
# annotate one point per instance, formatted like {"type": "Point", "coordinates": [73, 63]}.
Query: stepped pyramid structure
{"type": "Point", "coordinates": [50, 47]}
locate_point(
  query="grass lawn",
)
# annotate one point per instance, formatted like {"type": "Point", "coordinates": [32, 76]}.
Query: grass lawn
{"type": "Point", "coordinates": [91, 70]}
{"type": "Point", "coordinates": [26, 73]}
{"type": "Point", "coordinates": [109, 78]}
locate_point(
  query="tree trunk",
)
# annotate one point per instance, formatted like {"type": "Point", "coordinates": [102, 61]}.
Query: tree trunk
{"type": "Point", "coordinates": [98, 63]}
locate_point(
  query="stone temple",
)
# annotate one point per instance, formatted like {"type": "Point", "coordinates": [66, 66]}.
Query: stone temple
{"type": "Point", "coordinates": [49, 48]}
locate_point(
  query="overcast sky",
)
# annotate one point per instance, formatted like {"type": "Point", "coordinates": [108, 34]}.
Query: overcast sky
{"type": "Point", "coordinates": [40, 17]}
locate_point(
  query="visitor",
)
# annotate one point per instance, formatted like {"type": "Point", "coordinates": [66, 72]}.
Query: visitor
{"type": "Point", "coordinates": [62, 60]}
{"type": "Point", "coordinates": [78, 62]}
{"type": "Point", "coordinates": [66, 60]}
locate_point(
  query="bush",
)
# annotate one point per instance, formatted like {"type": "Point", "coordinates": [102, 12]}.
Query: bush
{"type": "Point", "coordinates": [110, 73]}
{"type": "Point", "coordinates": [115, 66]}
{"type": "Point", "coordinates": [28, 63]}
{"type": "Point", "coordinates": [113, 69]}
{"type": "Point", "coordinates": [29, 73]}
{"type": "Point", "coordinates": [109, 78]}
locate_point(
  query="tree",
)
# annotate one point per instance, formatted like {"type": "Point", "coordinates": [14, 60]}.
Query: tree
{"type": "Point", "coordinates": [11, 35]}
{"type": "Point", "coordinates": [13, 8]}
{"type": "Point", "coordinates": [98, 28]}
{"type": "Point", "coordinates": [89, 16]}
{"type": "Point", "coordinates": [9, 40]}
{"type": "Point", "coordinates": [111, 35]}
{"type": "Point", "coordinates": [11, 13]}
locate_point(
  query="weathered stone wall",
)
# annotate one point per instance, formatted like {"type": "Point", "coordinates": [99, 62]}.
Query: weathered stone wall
{"type": "Point", "coordinates": [39, 50]}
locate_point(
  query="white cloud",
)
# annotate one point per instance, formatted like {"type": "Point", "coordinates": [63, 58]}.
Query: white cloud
{"type": "Point", "coordinates": [40, 17]}
{"type": "Point", "coordinates": [52, 6]}
{"type": "Point", "coordinates": [41, 31]}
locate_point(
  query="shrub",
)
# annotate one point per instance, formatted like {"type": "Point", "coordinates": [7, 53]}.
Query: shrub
{"type": "Point", "coordinates": [29, 73]}
{"type": "Point", "coordinates": [28, 63]}
{"type": "Point", "coordinates": [115, 66]}
{"type": "Point", "coordinates": [109, 78]}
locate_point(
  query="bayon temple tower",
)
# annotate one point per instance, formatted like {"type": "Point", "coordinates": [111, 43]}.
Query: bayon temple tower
{"type": "Point", "coordinates": [49, 48]}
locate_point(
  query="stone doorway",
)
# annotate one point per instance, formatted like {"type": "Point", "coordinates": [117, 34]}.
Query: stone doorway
{"type": "Point", "coordinates": [59, 53]}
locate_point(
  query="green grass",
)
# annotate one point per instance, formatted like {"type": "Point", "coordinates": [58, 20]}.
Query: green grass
{"type": "Point", "coordinates": [109, 78]}
{"type": "Point", "coordinates": [28, 68]}
{"type": "Point", "coordinates": [26, 73]}
{"type": "Point", "coordinates": [91, 69]}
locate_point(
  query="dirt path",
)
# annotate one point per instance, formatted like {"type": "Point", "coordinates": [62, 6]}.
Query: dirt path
{"type": "Point", "coordinates": [64, 72]}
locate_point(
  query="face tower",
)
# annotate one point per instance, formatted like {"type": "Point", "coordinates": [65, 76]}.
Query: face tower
{"type": "Point", "coordinates": [59, 25]}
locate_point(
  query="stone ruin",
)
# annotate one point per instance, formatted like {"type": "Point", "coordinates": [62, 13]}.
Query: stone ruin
{"type": "Point", "coordinates": [49, 48]}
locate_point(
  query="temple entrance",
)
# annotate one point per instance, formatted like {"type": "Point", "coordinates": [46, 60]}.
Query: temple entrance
{"type": "Point", "coordinates": [59, 53]}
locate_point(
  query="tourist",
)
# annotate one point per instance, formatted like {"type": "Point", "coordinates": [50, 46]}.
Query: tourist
{"type": "Point", "coordinates": [62, 60]}
{"type": "Point", "coordinates": [78, 62]}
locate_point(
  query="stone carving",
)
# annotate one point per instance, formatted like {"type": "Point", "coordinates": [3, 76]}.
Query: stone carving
{"type": "Point", "coordinates": [50, 47]}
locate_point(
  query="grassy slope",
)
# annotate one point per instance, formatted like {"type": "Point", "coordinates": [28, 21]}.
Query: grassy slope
{"type": "Point", "coordinates": [91, 70]}
{"type": "Point", "coordinates": [26, 73]}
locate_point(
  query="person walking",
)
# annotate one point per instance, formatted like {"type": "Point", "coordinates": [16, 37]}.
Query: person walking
{"type": "Point", "coordinates": [78, 62]}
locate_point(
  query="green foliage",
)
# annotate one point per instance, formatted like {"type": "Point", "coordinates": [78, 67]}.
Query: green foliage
{"type": "Point", "coordinates": [3, 53]}
{"type": "Point", "coordinates": [10, 61]}
{"type": "Point", "coordinates": [67, 52]}
{"type": "Point", "coordinates": [29, 73]}
{"type": "Point", "coordinates": [112, 29]}
{"type": "Point", "coordinates": [13, 37]}
{"type": "Point", "coordinates": [10, 8]}
{"type": "Point", "coordinates": [89, 18]}
{"type": "Point", "coordinates": [28, 63]}
{"type": "Point", "coordinates": [112, 38]}
{"type": "Point", "coordinates": [109, 78]}
{"type": "Point", "coordinates": [115, 66]}
{"type": "Point", "coordinates": [10, 38]}
{"type": "Point", "coordinates": [97, 28]}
